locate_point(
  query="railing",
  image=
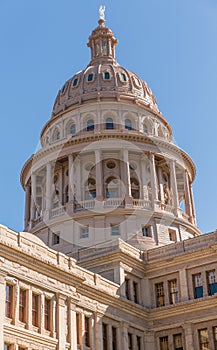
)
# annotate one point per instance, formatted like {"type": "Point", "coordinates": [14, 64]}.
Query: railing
{"type": "Point", "coordinates": [142, 203]}
{"type": "Point", "coordinates": [88, 204]}
{"type": "Point", "coordinates": [114, 203]}
{"type": "Point", "coordinates": [57, 212]}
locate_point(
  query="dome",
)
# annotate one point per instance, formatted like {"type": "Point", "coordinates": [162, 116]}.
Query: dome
{"type": "Point", "coordinates": [104, 79]}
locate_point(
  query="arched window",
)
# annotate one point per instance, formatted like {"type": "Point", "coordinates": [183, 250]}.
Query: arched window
{"type": "Point", "coordinates": [90, 125]}
{"type": "Point", "coordinates": [145, 129]}
{"type": "Point", "coordinates": [109, 123]}
{"type": "Point", "coordinates": [56, 135]}
{"type": "Point", "coordinates": [73, 129]}
{"type": "Point", "coordinates": [128, 124]}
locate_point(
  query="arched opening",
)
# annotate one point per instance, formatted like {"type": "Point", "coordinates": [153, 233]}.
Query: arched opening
{"type": "Point", "coordinates": [134, 188]}
{"type": "Point", "coordinates": [90, 125]}
{"type": "Point", "coordinates": [109, 124]}
{"type": "Point", "coordinates": [112, 187]}
{"type": "Point", "coordinates": [128, 124]}
{"type": "Point", "coordinates": [90, 189]}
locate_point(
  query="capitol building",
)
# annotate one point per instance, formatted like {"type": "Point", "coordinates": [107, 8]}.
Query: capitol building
{"type": "Point", "coordinates": [111, 257]}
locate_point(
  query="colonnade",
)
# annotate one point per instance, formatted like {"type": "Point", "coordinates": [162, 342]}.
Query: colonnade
{"type": "Point", "coordinates": [160, 197]}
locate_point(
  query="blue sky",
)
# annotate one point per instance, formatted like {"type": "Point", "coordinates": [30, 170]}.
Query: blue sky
{"type": "Point", "coordinates": [170, 44]}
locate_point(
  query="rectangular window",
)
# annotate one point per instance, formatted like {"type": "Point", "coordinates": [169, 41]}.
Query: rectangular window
{"type": "Point", "coordinates": [105, 336]}
{"type": "Point", "coordinates": [138, 342]}
{"type": "Point", "coordinates": [130, 341]}
{"type": "Point", "coordinates": [35, 309]}
{"type": "Point", "coordinates": [8, 300]}
{"type": "Point", "coordinates": [84, 232]}
{"type": "Point", "coordinates": [173, 291]}
{"type": "Point", "coordinates": [127, 288]}
{"type": "Point", "coordinates": [164, 344]}
{"type": "Point", "coordinates": [146, 231]}
{"type": "Point", "coordinates": [198, 287]}
{"type": "Point", "coordinates": [177, 340]}
{"type": "Point", "coordinates": [47, 313]}
{"type": "Point", "coordinates": [211, 280]}
{"type": "Point", "coordinates": [115, 230]}
{"type": "Point", "coordinates": [87, 331]}
{"type": "Point", "coordinates": [7, 347]}
{"type": "Point", "coordinates": [159, 290]}
{"type": "Point", "coordinates": [55, 238]}
{"type": "Point", "coordinates": [22, 305]}
{"type": "Point", "coordinates": [114, 338]}
{"type": "Point", "coordinates": [215, 336]}
{"type": "Point", "coordinates": [135, 292]}
{"type": "Point", "coordinates": [203, 339]}
{"type": "Point", "coordinates": [172, 236]}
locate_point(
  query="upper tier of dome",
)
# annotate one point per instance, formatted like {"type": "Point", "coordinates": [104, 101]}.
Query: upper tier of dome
{"type": "Point", "coordinates": [104, 79]}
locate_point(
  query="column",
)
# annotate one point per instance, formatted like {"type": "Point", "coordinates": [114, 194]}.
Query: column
{"type": "Point", "coordinates": [193, 206]}
{"type": "Point", "coordinates": [41, 325]}
{"type": "Point", "coordinates": [175, 200]}
{"type": "Point", "coordinates": [126, 175]}
{"type": "Point", "coordinates": [29, 309]}
{"type": "Point", "coordinates": [48, 189]}
{"type": "Point", "coordinates": [161, 189]}
{"type": "Point", "coordinates": [72, 326]}
{"type": "Point", "coordinates": [189, 340]}
{"type": "Point", "coordinates": [98, 163]}
{"type": "Point", "coordinates": [78, 188]}
{"type": "Point", "coordinates": [33, 196]}
{"type": "Point", "coordinates": [53, 318]}
{"type": "Point", "coordinates": [98, 332]}
{"type": "Point", "coordinates": [154, 186]}
{"type": "Point", "coordinates": [149, 340]}
{"type": "Point", "coordinates": [142, 178]}
{"type": "Point", "coordinates": [109, 330]}
{"type": "Point", "coordinates": [183, 285]}
{"type": "Point", "coordinates": [124, 339]}
{"type": "Point", "coordinates": [71, 177]}
{"type": "Point", "coordinates": [61, 187]}
{"type": "Point", "coordinates": [188, 206]}
{"type": "Point", "coordinates": [27, 206]}
{"type": "Point", "coordinates": [61, 322]}
{"type": "Point", "coordinates": [2, 306]}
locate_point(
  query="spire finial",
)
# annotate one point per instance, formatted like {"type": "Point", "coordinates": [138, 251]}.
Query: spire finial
{"type": "Point", "coordinates": [102, 12]}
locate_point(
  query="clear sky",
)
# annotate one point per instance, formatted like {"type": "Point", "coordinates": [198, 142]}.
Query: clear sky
{"type": "Point", "coordinates": [171, 44]}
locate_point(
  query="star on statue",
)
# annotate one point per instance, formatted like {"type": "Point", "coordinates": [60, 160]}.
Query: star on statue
{"type": "Point", "coordinates": [102, 12]}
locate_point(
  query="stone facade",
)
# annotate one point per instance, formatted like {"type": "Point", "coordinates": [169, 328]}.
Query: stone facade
{"type": "Point", "coordinates": [111, 258]}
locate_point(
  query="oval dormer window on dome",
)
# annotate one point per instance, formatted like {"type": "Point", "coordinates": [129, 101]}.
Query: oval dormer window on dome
{"type": "Point", "coordinates": [75, 82]}
{"type": "Point", "coordinates": [109, 124]}
{"type": "Point", "coordinates": [90, 77]}
{"type": "Point", "coordinates": [63, 90]}
{"type": "Point", "coordinates": [106, 76]}
{"type": "Point", "coordinates": [137, 82]}
{"type": "Point", "coordinates": [90, 125]}
{"type": "Point", "coordinates": [123, 77]}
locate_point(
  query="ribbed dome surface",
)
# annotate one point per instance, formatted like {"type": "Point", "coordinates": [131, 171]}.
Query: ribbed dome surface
{"type": "Point", "coordinates": [103, 79]}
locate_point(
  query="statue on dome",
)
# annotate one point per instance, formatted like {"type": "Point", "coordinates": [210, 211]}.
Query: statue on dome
{"type": "Point", "coordinates": [102, 12]}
